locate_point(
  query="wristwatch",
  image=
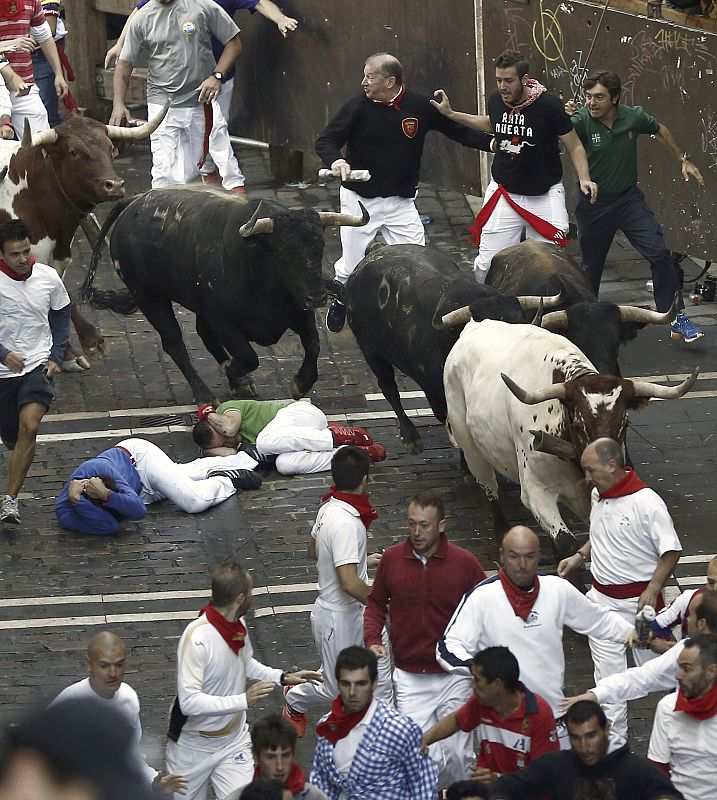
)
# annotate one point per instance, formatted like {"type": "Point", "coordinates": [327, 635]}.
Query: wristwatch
{"type": "Point", "coordinates": [218, 75]}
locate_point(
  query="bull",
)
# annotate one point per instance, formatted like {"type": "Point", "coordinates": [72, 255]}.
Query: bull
{"type": "Point", "coordinates": [598, 329]}
{"type": "Point", "coordinates": [249, 271]}
{"type": "Point", "coordinates": [506, 383]}
{"type": "Point", "coordinates": [395, 299]}
{"type": "Point", "coordinates": [52, 180]}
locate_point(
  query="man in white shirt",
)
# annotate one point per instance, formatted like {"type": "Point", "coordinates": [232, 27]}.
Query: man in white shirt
{"type": "Point", "coordinates": [34, 329]}
{"type": "Point", "coordinates": [634, 549]}
{"type": "Point", "coordinates": [338, 544]}
{"type": "Point", "coordinates": [105, 660]}
{"type": "Point", "coordinates": [208, 733]}
{"type": "Point", "coordinates": [527, 613]}
{"type": "Point", "coordinates": [684, 733]}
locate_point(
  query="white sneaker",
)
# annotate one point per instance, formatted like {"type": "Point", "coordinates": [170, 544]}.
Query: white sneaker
{"type": "Point", "coordinates": [649, 286]}
{"type": "Point", "coordinates": [10, 510]}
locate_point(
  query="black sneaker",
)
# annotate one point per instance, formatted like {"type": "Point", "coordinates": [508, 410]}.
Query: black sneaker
{"type": "Point", "coordinates": [241, 478]}
{"type": "Point", "coordinates": [264, 463]}
{"type": "Point", "coordinates": [336, 316]}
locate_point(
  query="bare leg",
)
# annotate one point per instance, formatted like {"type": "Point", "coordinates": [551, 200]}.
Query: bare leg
{"type": "Point", "coordinates": [24, 452]}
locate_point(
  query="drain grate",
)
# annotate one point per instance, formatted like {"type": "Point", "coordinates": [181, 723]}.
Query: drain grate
{"type": "Point", "coordinates": [165, 419]}
{"type": "Point", "coordinates": [434, 437]}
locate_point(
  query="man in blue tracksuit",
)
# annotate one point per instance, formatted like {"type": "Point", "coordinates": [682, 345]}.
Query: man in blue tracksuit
{"type": "Point", "coordinates": [120, 482]}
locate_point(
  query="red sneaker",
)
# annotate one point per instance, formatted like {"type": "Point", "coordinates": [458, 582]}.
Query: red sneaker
{"type": "Point", "coordinates": [211, 178]}
{"type": "Point", "coordinates": [376, 452]}
{"type": "Point", "coordinates": [356, 436]}
{"type": "Point", "coordinates": [296, 719]}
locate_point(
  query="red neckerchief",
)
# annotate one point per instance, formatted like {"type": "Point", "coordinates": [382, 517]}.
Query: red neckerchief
{"type": "Point", "coordinates": [339, 724]}
{"type": "Point", "coordinates": [535, 89]}
{"type": "Point", "coordinates": [9, 9]}
{"type": "Point", "coordinates": [358, 501]}
{"type": "Point", "coordinates": [396, 100]}
{"type": "Point", "coordinates": [11, 272]}
{"type": "Point", "coordinates": [295, 781]}
{"type": "Point", "coordinates": [546, 229]}
{"type": "Point", "coordinates": [521, 600]}
{"type": "Point", "coordinates": [233, 633]}
{"type": "Point", "coordinates": [698, 707]}
{"type": "Point", "coordinates": [630, 484]}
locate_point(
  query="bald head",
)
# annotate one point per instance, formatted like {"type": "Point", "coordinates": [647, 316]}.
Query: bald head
{"type": "Point", "coordinates": [603, 463]}
{"type": "Point", "coordinates": [382, 77]}
{"type": "Point", "coordinates": [520, 555]}
{"type": "Point", "coordinates": [105, 663]}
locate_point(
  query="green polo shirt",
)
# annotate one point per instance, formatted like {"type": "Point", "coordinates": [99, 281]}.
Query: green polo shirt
{"type": "Point", "coordinates": [612, 153]}
{"type": "Point", "coordinates": [255, 416]}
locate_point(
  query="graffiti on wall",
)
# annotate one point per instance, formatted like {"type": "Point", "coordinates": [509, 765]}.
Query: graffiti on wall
{"type": "Point", "coordinates": [708, 136]}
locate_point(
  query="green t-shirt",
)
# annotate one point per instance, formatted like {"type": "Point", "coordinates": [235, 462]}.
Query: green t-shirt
{"type": "Point", "coordinates": [255, 415]}
{"type": "Point", "coordinates": [612, 153]}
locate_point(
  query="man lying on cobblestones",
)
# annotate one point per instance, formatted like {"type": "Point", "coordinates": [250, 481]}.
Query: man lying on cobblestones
{"type": "Point", "coordinates": [34, 329]}
{"type": "Point", "coordinates": [105, 660]}
{"type": "Point", "coordinates": [208, 733]}
{"type": "Point", "coordinates": [294, 438]}
{"type": "Point", "coordinates": [120, 482]}
{"type": "Point", "coordinates": [273, 742]}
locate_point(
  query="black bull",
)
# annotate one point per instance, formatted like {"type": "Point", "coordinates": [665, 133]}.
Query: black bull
{"type": "Point", "coordinates": [395, 299]}
{"type": "Point", "coordinates": [249, 271]}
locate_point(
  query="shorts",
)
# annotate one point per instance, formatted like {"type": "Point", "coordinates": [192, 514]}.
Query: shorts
{"type": "Point", "coordinates": [33, 387]}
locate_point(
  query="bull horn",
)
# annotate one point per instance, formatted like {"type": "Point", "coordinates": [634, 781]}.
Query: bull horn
{"type": "Point", "coordinates": [38, 139]}
{"type": "Point", "coordinates": [553, 445]}
{"type": "Point", "coordinates": [3, 174]}
{"type": "Point", "coordinates": [530, 301]}
{"type": "Point", "coordinates": [458, 317]}
{"type": "Point", "coordinates": [647, 316]}
{"type": "Point", "coordinates": [647, 389]}
{"type": "Point", "coordinates": [350, 220]}
{"type": "Point", "coordinates": [257, 224]}
{"type": "Point", "coordinates": [556, 391]}
{"type": "Point", "coordinates": [116, 133]}
{"type": "Point", "coordinates": [555, 321]}
{"type": "Point", "coordinates": [538, 318]}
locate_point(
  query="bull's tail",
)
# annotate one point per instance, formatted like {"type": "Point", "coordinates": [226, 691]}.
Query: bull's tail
{"type": "Point", "coordinates": [119, 301]}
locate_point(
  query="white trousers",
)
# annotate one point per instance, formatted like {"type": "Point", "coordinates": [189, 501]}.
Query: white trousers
{"type": "Point", "coordinates": [229, 767]}
{"type": "Point", "coordinates": [396, 218]}
{"type": "Point", "coordinates": [426, 699]}
{"type": "Point", "coordinates": [220, 145]}
{"type": "Point", "coordinates": [505, 227]}
{"type": "Point", "coordinates": [186, 485]}
{"type": "Point", "coordinates": [610, 657]}
{"type": "Point", "coordinates": [300, 437]}
{"type": "Point", "coordinates": [333, 632]}
{"type": "Point", "coordinates": [29, 108]}
{"type": "Point", "coordinates": [178, 142]}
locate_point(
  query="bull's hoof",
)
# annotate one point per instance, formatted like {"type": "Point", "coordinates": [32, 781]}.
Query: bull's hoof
{"type": "Point", "coordinates": [246, 391]}
{"type": "Point", "coordinates": [92, 341]}
{"type": "Point", "coordinates": [414, 447]}
{"type": "Point", "coordinates": [297, 390]}
{"type": "Point", "coordinates": [77, 364]}
{"type": "Point", "coordinates": [564, 544]}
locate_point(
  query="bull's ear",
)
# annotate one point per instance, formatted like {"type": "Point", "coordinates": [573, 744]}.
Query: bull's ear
{"type": "Point", "coordinates": [638, 403]}
{"type": "Point", "coordinates": [115, 152]}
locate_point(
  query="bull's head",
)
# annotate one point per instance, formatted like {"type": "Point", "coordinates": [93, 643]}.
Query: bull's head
{"type": "Point", "coordinates": [78, 156]}
{"type": "Point", "coordinates": [297, 241]}
{"type": "Point", "coordinates": [597, 405]}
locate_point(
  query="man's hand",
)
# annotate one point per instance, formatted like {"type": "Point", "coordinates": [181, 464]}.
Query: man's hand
{"type": "Point", "coordinates": [341, 169]}
{"type": "Point", "coordinates": [378, 650]}
{"type": "Point", "coordinates": [569, 701]}
{"type": "Point", "coordinates": [571, 108]}
{"type": "Point", "coordinates": [96, 490]}
{"type": "Point", "coordinates": [632, 640]}
{"type": "Point", "coordinates": [21, 44]}
{"type": "Point", "coordinates": [51, 369]}
{"type": "Point", "coordinates": [570, 565]}
{"type": "Point", "coordinates": [209, 89]}
{"type": "Point", "coordinates": [302, 676]}
{"type": "Point", "coordinates": [286, 24]}
{"type": "Point", "coordinates": [660, 645]}
{"type": "Point", "coordinates": [258, 691]}
{"type": "Point", "coordinates": [18, 85]}
{"type": "Point", "coordinates": [75, 490]}
{"type": "Point", "coordinates": [688, 168]}
{"type": "Point", "coordinates": [7, 131]}
{"type": "Point", "coordinates": [14, 362]}
{"type": "Point", "coordinates": [589, 189]}
{"type": "Point", "coordinates": [112, 54]}
{"type": "Point", "coordinates": [442, 103]}
{"type": "Point", "coordinates": [485, 776]}
{"type": "Point", "coordinates": [168, 783]}
{"type": "Point", "coordinates": [61, 87]}
{"type": "Point", "coordinates": [647, 598]}
{"type": "Point", "coordinates": [120, 113]}
{"type": "Point", "coordinates": [373, 560]}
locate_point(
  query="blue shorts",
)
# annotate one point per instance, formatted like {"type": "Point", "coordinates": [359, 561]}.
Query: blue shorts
{"type": "Point", "coordinates": [33, 387]}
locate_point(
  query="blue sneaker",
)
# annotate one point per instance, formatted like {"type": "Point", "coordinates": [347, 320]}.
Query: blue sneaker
{"type": "Point", "coordinates": [683, 328]}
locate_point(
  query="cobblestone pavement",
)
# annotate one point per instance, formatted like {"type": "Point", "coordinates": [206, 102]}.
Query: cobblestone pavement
{"type": "Point", "coordinates": [146, 582]}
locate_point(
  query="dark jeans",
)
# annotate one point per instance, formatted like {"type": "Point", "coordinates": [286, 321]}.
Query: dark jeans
{"type": "Point", "coordinates": [45, 80]}
{"type": "Point", "coordinates": [628, 212]}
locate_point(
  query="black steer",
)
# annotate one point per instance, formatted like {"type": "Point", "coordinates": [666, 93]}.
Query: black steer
{"type": "Point", "coordinates": [394, 301]}
{"type": "Point", "coordinates": [249, 271]}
